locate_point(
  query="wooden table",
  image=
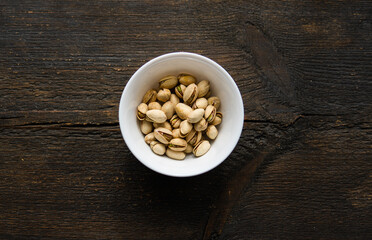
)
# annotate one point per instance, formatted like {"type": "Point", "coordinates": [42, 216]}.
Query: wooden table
{"type": "Point", "coordinates": [302, 167]}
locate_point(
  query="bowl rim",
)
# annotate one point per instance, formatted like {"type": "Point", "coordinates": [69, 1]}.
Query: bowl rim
{"type": "Point", "coordinates": [182, 55]}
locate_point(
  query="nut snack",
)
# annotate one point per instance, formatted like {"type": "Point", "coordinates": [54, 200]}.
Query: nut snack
{"type": "Point", "coordinates": [180, 117]}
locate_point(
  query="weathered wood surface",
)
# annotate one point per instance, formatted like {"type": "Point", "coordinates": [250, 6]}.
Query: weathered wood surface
{"type": "Point", "coordinates": [301, 170]}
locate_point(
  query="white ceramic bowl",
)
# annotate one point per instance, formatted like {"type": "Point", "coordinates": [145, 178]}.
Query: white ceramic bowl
{"type": "Point", "coordinates": [222, 85]}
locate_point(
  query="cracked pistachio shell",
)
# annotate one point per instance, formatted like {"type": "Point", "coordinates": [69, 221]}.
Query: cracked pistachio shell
{"type": "Point", "coordinates": [210, 113]}
{"type": "Point", "coordinates": [201, 125]}
{"type": "Point", "coordinates": [200, 103]}
{"type": "Point", "coordinates": [154, 105]}
{"type": "Point", "coordinates": [185, 128]}
{"type": "Point", "coordinates": [146, 127]}
{"type": "Point", "coordinates": [177, 144]}
{"type": "Point", "coordinates": [168, 109]}
{"type": "Point", "coordinates": [196, 115]}
{"type": "Point", "coordinates": [163, 135]}
{"type": "Point", "coordinates": [175, 121]}
{"type": "Point", "coordinates": [183, 110]}
{"type": "Point", "coordinates": [186, 79]}
{"type": "Point", "coordinates": [201, 148]}
{"type": "Point", "coordinates": [175, 155]}
{"type": "Point", "coordinates": [190, 94]}
{"type": "Point", "coordinates": [194, 137]}
{"type": "Point", "coordinates": [157, 147]}
{"type": "Point", "coordinates": [176, 133]}
{"type": "Point", "coordinates": [150, 96]}
{"type": "Point", "coordinates": [218, 119]}
{"type": "Point", "coordinates": [163, 95]}
{"type": "Point", "coordinates": [155, 115]}
{"type": "Point", "coordinates": [179, 90]}
{"type": "Point", "coordinates": [211, 132]}
{"type": "Point", "coordinates": [215, 102]}
{"type": "Point", "coordinates": [203, 88]}
{"type": "Point", "coordinates": [149, 138]}
{"type": "Point", "coordinates": [141, 111]}
{"type": "Point", "coordinates": [174, 99]}
{"type": "Point", "coordinates": [168, 82]}
{"type": "Point", "coordinates": [164, 125]}
{"type": "Point", "coordinates": [188, 148]}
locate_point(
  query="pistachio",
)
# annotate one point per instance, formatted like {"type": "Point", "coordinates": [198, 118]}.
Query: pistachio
{"type": "Point", "coordinates": [193, 137]}
{"type": "Point", "coordinates": [177, 144]}
{"type": "Point", "coordinates": [174, 99]}
{"type": "Point", "coordinates": [168, 109]}
{"type": "Point", "coordinates": [210, 113]}
{"type": "Point", "coordinates": [157, 147]}
{"type": "Point", "coordinates": [196, 115]}
{"type": "Point", "coordinates": [164, 125]}
{"type": "Point", "coordinates": [185, 128]}
{"type": "Point", "coordinates": [175, 121]}
{"type": "Point", "coordinates": [186, 79]}
{"type": "Point", "coordinates": [211, 132]}
{"type": "Point", "coordinates": [163, 95]}
{"type": "Point", "coordinates": [218, 119]}
{"type": "Point", "coordinates": [168, 82]}
{"type": "Point", "coordinates": [175, 155]}
{"type": "Point", "coordinates": [183, 110]}
{"type": "Point", "coordinates": [208, 94]}
{"type": "Point", "coordinates": [150, 137]}
{"type": "Point", "coordinates": [203, 88]}
{"type": "Point", "coordinates": [176, 133]}
{"type": "Point", "coordinates": [146, 127]}
{"type": "Point", "coordinates": [200, 103]}
{"type": "Point", "coordinates": [179, 90]}
{"type": "Point", "coordinates": [154, 105]}
{"type": "Point", "coordinates": [201, 148]}
{"type": "Point", "coordinates": [141, 111]}
{"type": "Point", "coordinates": [188, 148]}
{"type": "Point", "coordinates": [155, 115]}
{"type": "Point", "coordinates": [163, 135]}
{"type": "Point", "coordinates": [190, 94]}
{"type": "Point", "coordinates": [201, 125]}
{"type": "Point", "coordinates": [215, 102]}
{"type": "Point", "coordinates": [150, 96]}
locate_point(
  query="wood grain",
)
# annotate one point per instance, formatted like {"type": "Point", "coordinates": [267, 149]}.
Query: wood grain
{"type": "Point", "coordinates": [301, 170]}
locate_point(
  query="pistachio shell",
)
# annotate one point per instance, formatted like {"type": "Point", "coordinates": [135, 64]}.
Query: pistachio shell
{"type": "Point", "coordinates": [168, 109]}
{"type": "Point", "coordinates": [154, 105]}
{"type": "Point", "coordinates": [210, 113]}
{"type": "Point", "coordinates": [201, 148]}
{"type": "Point", "coordinates": [179, 90]}
{"type": "Point", "coordinates": [183, 110]}
{"type": "Point", "coordinates": [201, 125]}
{"type": "Point", "coordinates": [211, 132]}
{"type": "Point", "coordinates": [176, 133]}
{"type": "Point", "coordinates": [163, 135]}
{"type": "Point", "coordinates": [141, 111]}
{"type": "Point", "coordinates": [218, 119]}
{"type": "Point", "coordinates": [168, 82]}
{"type": "Point", "coordinates": [196, 115]}
{"type": "Point", "coordinates": [175, 155]}
{"type": "Point", "coordinates": [150, 137]}
{"type": "Point", "coordinates": [157, 147]}
{"type": "Point", "coordinates": [163, 95]}
{"type": "Point", "coordinates": [186, 79]}
{"type": "Point", "coordinates": [146, 127]}
{"type": "Point", "coordinates": [177, 144]}
{"type": "Point", "coordinates": [190, 94]}
{"type": "Point", "coordinates": [164, 125]}
{"type": "Point", "coordinates": [200, 103]}
{"type": "Point", "coordinates": [188, 148]}
{"type": "Point", "coordinates": [174, 99]}
{"type": "Point", "coordinates": [215, 102]}
{"type": "Point", "coordinates": [194, 137]}
{"type": "Point", "coordinates": [203, 88]}
{"type": "Point", "coordinates": [185, 128]}
{"type": "Point", "coordinates": [175, 121]}
{"type": "Point", "coordinates": [150, 96]}
{"type": "Point", "coordinates": [155, 115]}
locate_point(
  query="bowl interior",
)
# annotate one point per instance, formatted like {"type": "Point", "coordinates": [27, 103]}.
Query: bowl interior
{"type": "Point", "coordinates": [222, 85]}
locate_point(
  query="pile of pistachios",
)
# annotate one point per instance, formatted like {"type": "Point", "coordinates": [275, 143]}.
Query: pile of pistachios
{"type": "Point", "coordinates": [176, 118]}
